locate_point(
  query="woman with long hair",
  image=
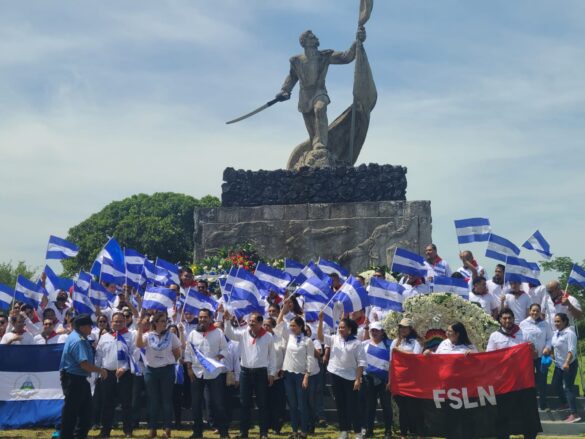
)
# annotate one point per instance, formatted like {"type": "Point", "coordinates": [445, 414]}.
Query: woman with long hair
{"type": "Point", "coordinates": [162, 350]}
{"type": "Point", "coordinates": [457, 341]}
{"type": "Point", "coordinates": [346, 366]}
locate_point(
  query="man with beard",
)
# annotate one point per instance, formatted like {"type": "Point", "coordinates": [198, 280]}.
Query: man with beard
{"type": "Point", "coordinates": [509, 333]}
{"type": "Point", "coordinates": [211, 343]}
{"type": "Point", "coordinates": [496, 284]}
{"type": "Point", "coordinates": [434, 264]}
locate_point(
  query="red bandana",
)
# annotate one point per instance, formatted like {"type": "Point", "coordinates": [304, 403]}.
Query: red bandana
{"type": "Point", "coordinates": [260, 334]}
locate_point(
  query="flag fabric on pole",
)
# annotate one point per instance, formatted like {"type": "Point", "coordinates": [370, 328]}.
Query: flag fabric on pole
{"type": "Point", "coordinates": [228, 284]}
{"type": "Point", "coordinates": [309, 271]}
{"type": "Point", "coordinates": [54, 283]}
{"type": "Point", "coordinates": [468, 396]}
{"type": "Point", "coordinates": [99, 295]}
{"type": "Point", "coordinates": [275, 279]}
{"type": "Point", "coordinates": [378, 361]}
{"type": "Point", "coordinates": [312, 306]}
{"type": "Point", "coordinates": [385, 294]}
{"type": "Point", "coordinates": [59, 248]}
{"type": "Point", "coordinates": [109, 265]}
{"type": "Point", "coordinates": [134, 262]}
{"type": "Point", "coordinates": [366, 7]}
{"type": "Point", "coordinates": [577, 276]}
{"type": "Point", "coordinates": [537, 243]}
{"type": "Point", "coordinates": [6, 295]}
{"type": "Point", "coordinates": [28, 292]}
{"type": "Point", "coordinates": [500, 248]}
{"type": "Point", "coordinates": [208, 363]}
{"type": "Point", "coordinates": [158, 298]}
{"type": "Point", "coordinates": [329, 267]}
{"type": "Point", "coordinates": [352, 295]}
{"type": "Point", "coordinates": [519, 270]}
{"type": "Point", "coordinates": [246, 286]}
{"type": "Point", "coordinates": [172, 270]}
{"type": "Point", "coordinates": [149, 271]}
{"type": "Point", "coordinates": [315, 286]}
{"type": "Point", "coordinates": [407, 262]}
{"type": "Point", "coordinates": [82, 303]}
{"type": "Point", "coordinates": [30, 389]}
{"type": "Point", "coordinates": [444, 284]}
{"type": "Point", "coordinates": [196, 301]}
{"type": "Point", "coordinates": [293, 267]}
{"type": "Point", "coordinates": [472, 230]}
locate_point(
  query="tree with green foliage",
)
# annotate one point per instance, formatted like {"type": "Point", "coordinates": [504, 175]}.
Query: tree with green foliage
{"type": "Point", "coordinates": [9, 272]}
{"type": "Point", "coordinates": [159, 225]}
{"type": "Point", "coordinates": [563, 266]}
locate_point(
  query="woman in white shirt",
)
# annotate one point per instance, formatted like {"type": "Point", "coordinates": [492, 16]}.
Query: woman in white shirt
{"type": "Point", "coordinates": [457, 341]}
{"type": "Point", "coordinates": [162, 350]}
{"type": "Point", "coordinates": [346, 365]}
{"type": "Point", "coordinates": [299, 366]}
{"type": "Point", "coordinates": [564, 343]}
{"type": "Point", "coordinates": [538, 332]}
{"type": "Point", "coordinates": [407, 341]}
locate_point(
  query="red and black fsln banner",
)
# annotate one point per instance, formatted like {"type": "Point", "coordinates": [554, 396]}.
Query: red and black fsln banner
{"type": "Point", "coordinates": [479, 395]}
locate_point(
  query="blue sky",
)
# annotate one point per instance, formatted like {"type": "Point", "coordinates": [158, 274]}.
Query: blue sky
{"type": "Point", "coordinates": [483, 102]}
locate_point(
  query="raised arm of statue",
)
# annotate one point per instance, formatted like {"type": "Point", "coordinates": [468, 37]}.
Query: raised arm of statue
{"type": "Point", "coordinates": [349, 55]}
{"type": "Point", "coordinates": [289, 83]}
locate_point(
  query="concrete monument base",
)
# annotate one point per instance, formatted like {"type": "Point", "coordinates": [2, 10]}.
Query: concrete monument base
{"type": "Point", "coordinates": [357, 235]}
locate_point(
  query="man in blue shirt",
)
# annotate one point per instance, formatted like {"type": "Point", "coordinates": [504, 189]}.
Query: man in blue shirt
{"type": "Point", "coordinates": [77, 363]}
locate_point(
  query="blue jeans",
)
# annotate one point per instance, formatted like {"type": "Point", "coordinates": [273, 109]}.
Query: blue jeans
{"type": "Point", "coordinates": [540, 381]}
{"type": "Point", "coordinates": [565, 380]}
{"type": "Point", "coordinates": [298, 401]}
{"type": "Point", "coordinates": [159, 383]}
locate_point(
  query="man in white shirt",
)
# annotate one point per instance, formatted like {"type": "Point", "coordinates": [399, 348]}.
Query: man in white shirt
{"type": "Point", "coordinates": [557, 301]}
{"type": "Point", "coordinates": [48, 334]}
{"type": "Point", "coordinates": [509, 333]}
{"type": "Point", "coordinates": [60, 305]}
{"type": "Point", "coordinates": [257, 371]}
{"type": "Point", "coordinates": [114, 353]}
{"type": "Point", "coordinates": [18, 334]}
{"type": "Point", "coordinates": [480, 295]}
{"type": "Point", "coordinates": [413, 286]}
{"type": "Point", "coordinates": [516, 300]}
{"type": "Point", "coordinates": [470, 268]}
{"type": "Point", "coordinates": [535, 292]}
{"type": "Point", "coordinates": [495, 285]}
{"type": "Point", "coordinates": [211, 343]}
{"type": "Point", "coordinates": [434, 264]}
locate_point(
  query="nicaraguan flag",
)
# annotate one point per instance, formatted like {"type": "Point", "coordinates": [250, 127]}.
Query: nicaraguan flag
{"type": "Point", "coordinates": [385, 294]}
{"type": "Point", "coordinates": [537, 243]}
{"type": "Point", "coordinates": [196, 301]}
{"type": "Point", "coordinates": [6, 295]}
{"type": "Point", "coordinates": [28, 292]}
{"type": "Point", "coordinates": [59, 248]}
{"type": "Point", "coordinates": [149, 271]}
{"type": "Point", "coordinates": [577, 276]}
{"type": "Point", "coordinates": [275, 279]}
{"type": "Point", "coordinates": [227, 284]}
{"type": "Point", "coordinates": [171, 269]}
{"type": "Point", "coordinates": [407, 262]}
{"type": "Point", "coordinates": [309, 271]}
{"type": "Point", "coordinates": [81, 302]}
{"type": "Point", "coordinates": [378, 361]}
{"type": "Point", "coordinates": [134, 268]}
{"type": "Point", "coordinates": [242, 307]}
{"type": "Point", "coordinates": [246, 286]}
{"type": "Point", "coordinates": [444, 284]}
{"type": "Point", "coordinates": [208, 363]}
{"type": "Point", "coordinates": [312, 306]}
{"type": "Point", "coordinates": [158, 298]}
{"type": "Point", "coordinates": [109, 265]}
{"type": "Point", "coordinates": [293, 267]}
{"type": "Point", "coordinates": [472, 230]}
{"type": "Point", "coordinates": [54, 283]}
{"type": "Point", "coordinates": [315, 286]}
{"type": "Point", "coordinates": [500, 248]}
{"type": "Point", "coordinates": [99, 295]}
{"type": "Point", "coordinates": [352, 295]}
{"type": "Point", "coordinates": [519, 270]}
{"type": "Point", "coordinates": [329, 267]}
{"type": "Point", "coordinates": [30, 389]}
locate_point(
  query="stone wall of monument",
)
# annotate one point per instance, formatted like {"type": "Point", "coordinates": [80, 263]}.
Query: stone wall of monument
{"type": "Point", "coordinates": [313, 185]}
{"type": "Point", "coordinates": [355, 234]}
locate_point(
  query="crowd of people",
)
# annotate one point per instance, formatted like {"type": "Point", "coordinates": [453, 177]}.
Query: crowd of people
{"type": "Point", "coordinates": [171, 360]}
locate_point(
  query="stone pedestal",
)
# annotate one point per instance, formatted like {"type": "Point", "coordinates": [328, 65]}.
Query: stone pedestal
{"type": "Point", "coordinates": [356, 234]}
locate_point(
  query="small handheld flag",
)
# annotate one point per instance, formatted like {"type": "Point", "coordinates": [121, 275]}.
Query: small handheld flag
{"type": "Point", "coordinates": [385, 294]}
{"type": "Point", "coordinates": [472, 230]}
{"type": "Point", "coordinates": [500, 248]}
{"type": "Point", "coordinates": [353, 295]}
{"type": "Point", "coordinates": [59, 248]}
{"type": "Point", "coordinates": [577, 276]}
{"type": "Point", "coordinates": [537, 243]}
{"type": "Point", "coordinates": [407, 262]}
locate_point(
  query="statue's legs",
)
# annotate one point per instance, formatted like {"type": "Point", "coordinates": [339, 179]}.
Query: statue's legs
{"type": "Point", "coordinates": [321, 124]}
{"type": "Point", "coordinates": [310, 124]}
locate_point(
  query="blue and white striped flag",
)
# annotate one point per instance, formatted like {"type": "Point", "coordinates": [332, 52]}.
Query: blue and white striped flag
{"type": "Point", "coordinates": [6, 295]}
{"type": "Point", "coordinates": [109, 264]}
{"type": "Point", "coordinates": [312, 306]}
{"type": "Point", "coordinates": [208, 363]}
{"type": "Point", "coordinates": [59, 248]}
{"type": "Point", "coordinates": [385, 294]}
{"type": "Point", "coordinates": [28, 292]}
{"type": "Point", "coordinates": [149, 271]}
{"type": "Point", "coordinates": [472, 230]}
{"type": "Point", "coordinates": [378, 361]}
{"type": "Point", "coordinates": [329, 267]}
{"type": "Point", "coordinates": [134, 268]}
{"type": "Point", "coordinates": [293, 267]}
{"type": "Point", "coordinates": [54, 283]}
{"type": "Point", "coordinates": [81, 302]}
{"type": "Point", "coordinates": [453, 285]}
{"type": "Point", "coordinates": [407, 262]}
{"type": "Point", "coordinates": [519, 270]}
{"type": "Point", "coordinates": [309, 271]}
{"type": "Point", "coordinates": [352, 295]}
{"type": "Point", "coordinates": [124, 356]}
{"type": "Point", "coordinates": [171, 269]}
{"type": "Point", "coordinates": [537, 243]}
{"type": "Point", "coordinates": [158, 298]}
{"type": "Point", "coordinates": [315, 286]}
{"type": "Point", "coordinates": [99, 295]}
{"type": "Point", "coordinates": [275, 279]}
{"type": "Point", "coordinates": [577, 276]}
{"type": "Point", "coordinates": [500, 248]}
{"type": "Point", "coordinates": [196, 301]}
{"type": "Point", "coordinates": [246, 286]}
{"type": "Point", "coordinates": [227, 284]}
